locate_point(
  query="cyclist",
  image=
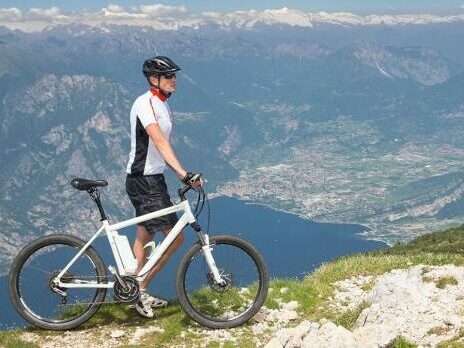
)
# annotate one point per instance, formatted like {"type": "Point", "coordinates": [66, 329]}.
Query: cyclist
{"type": "Point", "coordinates": [151, 125]}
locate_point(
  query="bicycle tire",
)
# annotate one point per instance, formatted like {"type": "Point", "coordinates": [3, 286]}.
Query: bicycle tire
{"type": "Point", "coordinates": [28, 251]}
{"type": "Point", "coordinates": [207, 320]}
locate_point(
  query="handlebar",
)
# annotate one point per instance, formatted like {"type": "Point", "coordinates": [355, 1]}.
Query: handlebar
{"type": "Point", "coordinates": [182, 191]}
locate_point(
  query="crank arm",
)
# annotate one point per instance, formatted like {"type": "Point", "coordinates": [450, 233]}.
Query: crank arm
{"type": "Point", "coordinates": [118, 277]}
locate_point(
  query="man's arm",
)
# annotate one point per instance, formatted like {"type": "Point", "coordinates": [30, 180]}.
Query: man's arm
{"type": "Point", "coordinates": [165, 149]}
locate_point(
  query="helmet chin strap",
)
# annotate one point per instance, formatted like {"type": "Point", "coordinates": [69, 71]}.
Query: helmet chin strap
{"type": "Point", "coordinates": [166, 94]}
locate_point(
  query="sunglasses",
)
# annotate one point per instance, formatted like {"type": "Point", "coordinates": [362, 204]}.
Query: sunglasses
{"type": "Point", "coordinates": [169, 76]}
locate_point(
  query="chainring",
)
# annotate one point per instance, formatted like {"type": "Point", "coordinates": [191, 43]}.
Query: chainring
{"type": "Point", "coordinates": [128, 295]}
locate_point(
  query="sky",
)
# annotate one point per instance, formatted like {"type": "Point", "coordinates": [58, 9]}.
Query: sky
{"type": "Point", "coordinates": [198, 6]}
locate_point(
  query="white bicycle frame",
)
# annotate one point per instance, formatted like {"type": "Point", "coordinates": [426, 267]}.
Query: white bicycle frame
{"type": "Point", "coordinates": [111, 232]}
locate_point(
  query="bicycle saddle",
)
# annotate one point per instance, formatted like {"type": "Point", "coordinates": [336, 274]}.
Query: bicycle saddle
{"type": "Point", "coordinates": [85, 184]}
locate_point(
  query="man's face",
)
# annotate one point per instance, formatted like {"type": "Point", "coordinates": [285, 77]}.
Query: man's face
{"type": "Point", "coordinates": [166, 83]}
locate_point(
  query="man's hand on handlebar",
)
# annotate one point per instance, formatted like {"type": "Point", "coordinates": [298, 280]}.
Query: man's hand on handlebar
{"type": "Point", "coordinates": [193, 180]}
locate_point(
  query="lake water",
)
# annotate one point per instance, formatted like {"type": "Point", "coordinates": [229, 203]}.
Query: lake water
{"type": "Point", "coordinates": [292, 247]}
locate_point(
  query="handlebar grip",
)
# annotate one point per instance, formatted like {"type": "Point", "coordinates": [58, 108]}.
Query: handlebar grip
{"type": "Point", "coordinates": [195, 178]}
{"type": "Point", "coordinates": [182, 191]}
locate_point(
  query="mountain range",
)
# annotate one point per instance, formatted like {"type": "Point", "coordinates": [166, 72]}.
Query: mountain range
{"type": "Point", "coordinates": [336, 122]}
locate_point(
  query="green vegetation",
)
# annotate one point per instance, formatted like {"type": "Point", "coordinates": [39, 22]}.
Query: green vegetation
{"type": "Point", "coordinates": [312, 293]}
{"type": "Point", "coordinates": [439, 330]}
{"type": "Point", "coordinates": [401, 342]}
{"type": "Point", "coordinates": [348, 318]}
{"type": "Point", "coordinates": [10, 339]}
{"type": "Point", "coordinates": [456, 342]}
{"type": "Point", "coordinates": [442, 282]}
{"type": "Point", "coordinates": [448, 241]}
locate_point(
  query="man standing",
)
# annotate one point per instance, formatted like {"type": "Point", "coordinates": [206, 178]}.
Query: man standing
{"type": "Point", "coordinates": [151, 125]}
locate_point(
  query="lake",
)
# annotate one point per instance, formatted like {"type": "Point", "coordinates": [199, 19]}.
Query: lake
{"type": "Point", "coordinates": [292, 247]}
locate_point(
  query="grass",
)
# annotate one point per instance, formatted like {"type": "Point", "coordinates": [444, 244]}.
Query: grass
{"type": "Point", "coordinates": [439, 330]}
{"type": "Point", "coordinates": [313, 293]}
{"type": "Point", "coordinates": [10, 339]}
{"type": "Point", "coordinates": [401, 342]}
{"type": "Point", "coordinates": [348, 319]}
{"type": "Point", "coordinates": [455, 342]}
{"type": "Point", "coordinates": [368, 286]}
{"type": "Point", "coordinates": [427, 279]}
{"type": "Point", "coordinates": [442, 282]}
{"type": "Point", "coordinates": [448, 241]}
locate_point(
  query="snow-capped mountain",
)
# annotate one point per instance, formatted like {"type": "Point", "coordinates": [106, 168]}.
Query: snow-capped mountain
{"type": "Point", "coordinates": [162, 17]}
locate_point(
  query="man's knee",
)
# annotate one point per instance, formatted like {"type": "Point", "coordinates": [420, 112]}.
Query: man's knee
{"type": "Point", "coordinates": [143, 235]}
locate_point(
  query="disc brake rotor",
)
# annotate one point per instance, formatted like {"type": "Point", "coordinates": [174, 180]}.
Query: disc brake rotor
{"type": "Point", "coordinates": [226, 276]}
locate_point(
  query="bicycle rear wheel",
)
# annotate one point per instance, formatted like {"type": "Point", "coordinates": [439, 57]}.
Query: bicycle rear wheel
{"type": "Point", "coordinates": [220, 306]}
{"type": "Point", "coordinates": [34, 294]}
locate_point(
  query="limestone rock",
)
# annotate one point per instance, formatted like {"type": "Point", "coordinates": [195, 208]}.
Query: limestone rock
{"type": "Point", "coordinates": [117, 333]}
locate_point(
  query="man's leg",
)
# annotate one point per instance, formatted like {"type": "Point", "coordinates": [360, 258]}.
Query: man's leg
{"type": "Point", "coordinates": [162, 261]}
{"type": "Point", "coordinates": [143, 237]}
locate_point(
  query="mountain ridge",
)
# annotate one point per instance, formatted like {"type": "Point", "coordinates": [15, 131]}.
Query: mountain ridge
{"type": "Point", "coordinates": [176, 18]}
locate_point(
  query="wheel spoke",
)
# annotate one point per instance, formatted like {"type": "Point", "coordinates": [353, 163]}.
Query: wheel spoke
{"type": "Point", "coordinates": [223, 305]}
{"type": "Point", "coordinates": [45, 304]}
{"type": "Point", "coordinates": [39, 269]}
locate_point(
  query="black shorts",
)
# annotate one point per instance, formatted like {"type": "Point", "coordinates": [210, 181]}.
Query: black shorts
{"type": "Point", "coordinates": [149, 193]}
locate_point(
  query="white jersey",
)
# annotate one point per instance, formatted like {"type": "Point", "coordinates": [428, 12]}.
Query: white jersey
{"type": "Point", "coordinates": [144, 158]}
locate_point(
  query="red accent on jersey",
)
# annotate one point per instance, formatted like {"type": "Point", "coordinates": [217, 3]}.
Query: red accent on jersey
{"type": "Point", "coordinates": [156, 92]}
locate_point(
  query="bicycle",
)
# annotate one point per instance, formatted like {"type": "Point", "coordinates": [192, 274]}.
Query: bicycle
{"type": "Point", "coordinates": [214, 289]}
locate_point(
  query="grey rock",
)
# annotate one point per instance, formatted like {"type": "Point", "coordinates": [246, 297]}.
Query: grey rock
{"type": "Point", "coordinates": [117, 333]}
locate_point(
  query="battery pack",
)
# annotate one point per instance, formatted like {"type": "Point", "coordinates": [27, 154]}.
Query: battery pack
{"type": "Point", "coordinates": [127, 256]}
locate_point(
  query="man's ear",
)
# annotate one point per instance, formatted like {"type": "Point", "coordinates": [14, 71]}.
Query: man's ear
{"type": "Point", "coordinates": [153, 80]}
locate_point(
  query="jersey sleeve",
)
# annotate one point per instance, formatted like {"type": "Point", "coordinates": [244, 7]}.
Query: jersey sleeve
{"type": "Point", "coordinates": [145, 112]}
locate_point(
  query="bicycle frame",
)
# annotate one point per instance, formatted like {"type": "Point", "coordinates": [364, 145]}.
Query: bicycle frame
{"type": "Point", "coordinates": [111, 232]}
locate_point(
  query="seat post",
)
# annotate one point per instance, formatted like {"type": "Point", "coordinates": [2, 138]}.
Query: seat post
{"type": "Point", "coordinates": [95, 195]}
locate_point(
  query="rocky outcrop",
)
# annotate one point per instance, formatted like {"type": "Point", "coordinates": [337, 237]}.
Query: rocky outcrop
{"type": "Point", "coordinates": [422, 304]}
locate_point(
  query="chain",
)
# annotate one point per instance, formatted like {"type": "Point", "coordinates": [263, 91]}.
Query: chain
{"type": "Point", "coordinates": [94, 302]}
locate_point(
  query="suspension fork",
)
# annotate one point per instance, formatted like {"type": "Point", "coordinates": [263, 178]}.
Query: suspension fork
{"type": "Point", "coordinates": [204, 241]}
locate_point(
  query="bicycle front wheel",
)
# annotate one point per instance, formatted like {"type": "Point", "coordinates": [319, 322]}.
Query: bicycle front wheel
{"type": "Point", "coordinates": [232, 303]}
{"type": "Point", "coordinates": [33, 289]}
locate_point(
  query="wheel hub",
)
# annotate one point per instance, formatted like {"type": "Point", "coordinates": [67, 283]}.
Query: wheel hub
{"type": "Point", "coordinates": [226, 277]}
{"type": "Point", "coordinates": [53, 281]}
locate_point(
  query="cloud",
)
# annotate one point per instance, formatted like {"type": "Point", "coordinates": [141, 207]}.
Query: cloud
{"type": "Point", "coordinates": [115, 8]}
{"type": "Point", "coordinates": [11, 14]}
{"type": "Point", "coordinates": [117, 12]}
{"type": "Point", "coordinates": [161, 10]}
{"type": "Point", "coordinates": [143, 12]}
{"type": "Point", "coordinates": [462, 6]}
{"type": "Point", "coordinates": [46, 14]}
